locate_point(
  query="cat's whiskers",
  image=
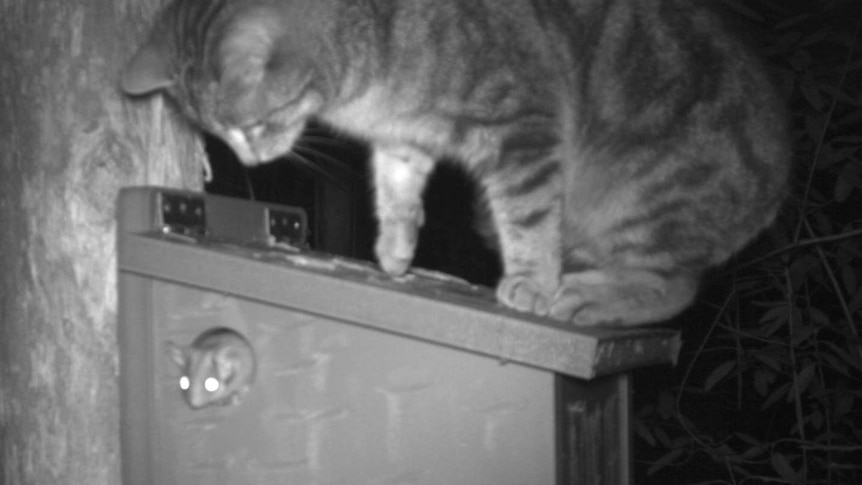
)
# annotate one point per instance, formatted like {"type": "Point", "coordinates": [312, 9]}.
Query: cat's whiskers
{"type": "Point", "coordinates": [314, 152]}
{"type": "Point", "coordinates": [297, 156]}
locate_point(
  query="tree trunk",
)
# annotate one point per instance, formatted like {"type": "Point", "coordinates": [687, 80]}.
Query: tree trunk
{"type": "Point", "coordinates": [69, 141]}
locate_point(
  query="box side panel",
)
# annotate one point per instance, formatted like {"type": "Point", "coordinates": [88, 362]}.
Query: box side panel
{"type": "Point", "coordinates": [137, 419]}
{"type": "Point", "coordinates": [340, 403]}
{"type": "Point", "coordinates": [136, 209]}
{"type": "Point", "coordinates": [593, 430]}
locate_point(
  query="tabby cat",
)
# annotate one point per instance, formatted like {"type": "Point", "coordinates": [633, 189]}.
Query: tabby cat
{"type": "Point", "coordinates": [623, 146]}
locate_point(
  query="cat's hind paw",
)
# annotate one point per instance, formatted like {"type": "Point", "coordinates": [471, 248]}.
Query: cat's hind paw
{"type": "Point", "coordinates": [620, 298]}
{"type": "Point", "coordinates": [598, 298]}
{"type": "Point", "coordinates": [566, 305]}
{"type": "Point", "coordinates": [571, 306]}
{"type": "Point", "coordinates": [523, 293]}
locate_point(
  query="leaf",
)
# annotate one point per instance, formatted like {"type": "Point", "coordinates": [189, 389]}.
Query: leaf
{"type": "Point", "coordinates": [779, 312]}
{"type": "Point", "coordinates": [803, 380]}
{"type": "Point", "coordinates": [776, 395]}
{"type": "Point", "coordinates": [790, 38]}
{"type": "Point", "coordinates": [740, 8]}
{"type": "Point", "coordinates": [844, 186]}
{"type": "Point", "coordinates": [751, 440]}
{"type": "Point", "coordinates": [718, 374]}
{"type": "Point", "coordinates": [666, 405]}
{"type": "Point", "coordinates": [762, 379]}
{"type": "Point", "coordinates": [644, 432]}
{"type": "Point", "coordinates": [852, 139]}
{"type": "Point", "coordinates": [835, 363]}
{"type": "Point", "coordinates": [814, 125]}
{"type": "Point", "coordinates": [662, 437]}
{"type": "Point", "coordinates": [843, 405]}
{"type": "Point", "coordinates": [802, 267]}
{"type": "Point", "coordinates": [665, 460]}
{"type": "Point", "coordinates": [856, 302]}
{"type": "Point", "coordinates": [824, 224]}
{"type": "Point", "coordinates": [817, 419]}
{"type": "Point", "coordinates": [689, 425]}
{"type": "Point", "coordinates": [811, 91]}
{"type": "Point", "coordinates": [770, 330]}
{"type": "Point", "coordinates": [768, 360]}
{"type": "Point", "coordinates": [752, 452]}
{"type": "Point", "coordinates": [846, 154]}
{"type": "Point", "coordinates": [849, 119]}
{"type": "Point", "coordinates": [814, 38]}
{"type": "Point", "coordinates": [843, 354]}
{"type": "Point", "coordinates": [841, 96]}
{"type": "Point", "coordinates": [848, 276]}
{"type": "Point", "coordinates": [802, 333]}
{"type": "Point", "coordinates": [681, 442]}
{"type": "Point", "coordinates": [828, 156]}
{"type": "Point", "coordinates": [782, 466]}
{"type": "Point", "coordinates": [793, 21]}
{"type": "Point", "coordinates": [723, 452]}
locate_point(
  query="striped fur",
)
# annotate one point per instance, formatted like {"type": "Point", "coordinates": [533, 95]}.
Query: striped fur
{"type": "Point", "coordinates": [623, 145]}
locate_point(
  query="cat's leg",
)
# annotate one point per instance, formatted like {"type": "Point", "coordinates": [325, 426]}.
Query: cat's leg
{"type": "Point", "coordinates": [621, 297]}
{"type": "Point", "coordinates": [400, 174]}
{"type": "Point", "coordinates": [526, 206]}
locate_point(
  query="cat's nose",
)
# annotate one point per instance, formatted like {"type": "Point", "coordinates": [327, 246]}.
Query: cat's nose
{"type": "Point", "coordinates": [237, 140]}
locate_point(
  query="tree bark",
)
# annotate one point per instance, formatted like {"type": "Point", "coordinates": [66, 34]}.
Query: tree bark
{"type": "Point", "coordinates": [69, 141]}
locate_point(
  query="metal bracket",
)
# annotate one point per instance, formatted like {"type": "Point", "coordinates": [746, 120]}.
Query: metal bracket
{"type": "Point", "coordinates": [183, 214]}
{"type": "Point", "coordinates": [286, 226]}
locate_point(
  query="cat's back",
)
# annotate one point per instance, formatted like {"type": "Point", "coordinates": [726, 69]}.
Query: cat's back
{"type": "Point", "coordinates": [578, 41]}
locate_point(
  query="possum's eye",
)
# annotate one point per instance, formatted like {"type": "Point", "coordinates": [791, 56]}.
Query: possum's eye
{"type": "Point", "coordinates": [184, 383]}
{"type": "Point", "coordinates": [211, 384]}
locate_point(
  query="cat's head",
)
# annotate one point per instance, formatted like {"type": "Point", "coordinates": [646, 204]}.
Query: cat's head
{"type": "Point", "coordinates": [235, 74]}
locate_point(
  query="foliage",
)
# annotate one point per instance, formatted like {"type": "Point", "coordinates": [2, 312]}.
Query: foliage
{"type": "Point", "coordinates": [770, 389]}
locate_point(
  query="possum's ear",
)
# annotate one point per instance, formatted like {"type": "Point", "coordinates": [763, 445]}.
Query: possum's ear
{"type": "Point", "coordinates": [226, 364]}
{"type": "Point", "coordinates": [147, 72]}
{"type": "Point", "coordinates": [177, 354]}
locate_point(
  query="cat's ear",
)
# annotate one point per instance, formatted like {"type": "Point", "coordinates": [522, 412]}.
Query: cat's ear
{"type": "Point", "coordinates": [147, 72]}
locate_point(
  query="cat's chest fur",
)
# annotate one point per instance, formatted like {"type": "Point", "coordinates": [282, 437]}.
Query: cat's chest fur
{"type": "Point", "coordinates": [387, 117]}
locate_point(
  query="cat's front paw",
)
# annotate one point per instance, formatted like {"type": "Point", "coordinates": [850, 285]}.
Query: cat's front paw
{"type": "Point", "coordinates": [394, 266]}
{"type": "Point", "coordinates": [572, 306]}
{"type": "Point", "coordinates": [396, 245]}
{"type": "Point", "coordinates": [523, 293]}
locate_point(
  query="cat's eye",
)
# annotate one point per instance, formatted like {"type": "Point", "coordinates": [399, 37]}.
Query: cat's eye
{"type": "Point", "coordinates": [184, 383]}
{"type": "Point", "coordinates": [211, 384]}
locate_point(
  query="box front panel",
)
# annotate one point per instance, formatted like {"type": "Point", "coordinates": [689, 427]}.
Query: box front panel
{"type": "Point", "coordinates": [337, 403]}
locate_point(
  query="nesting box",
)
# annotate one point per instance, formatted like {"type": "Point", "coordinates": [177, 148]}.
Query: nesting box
{"type": "Point", "coordinates": [361, 378]}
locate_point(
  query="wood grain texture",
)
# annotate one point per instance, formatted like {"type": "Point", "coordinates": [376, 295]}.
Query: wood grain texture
{"type": "Point", "coordinates": [68, 143]}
